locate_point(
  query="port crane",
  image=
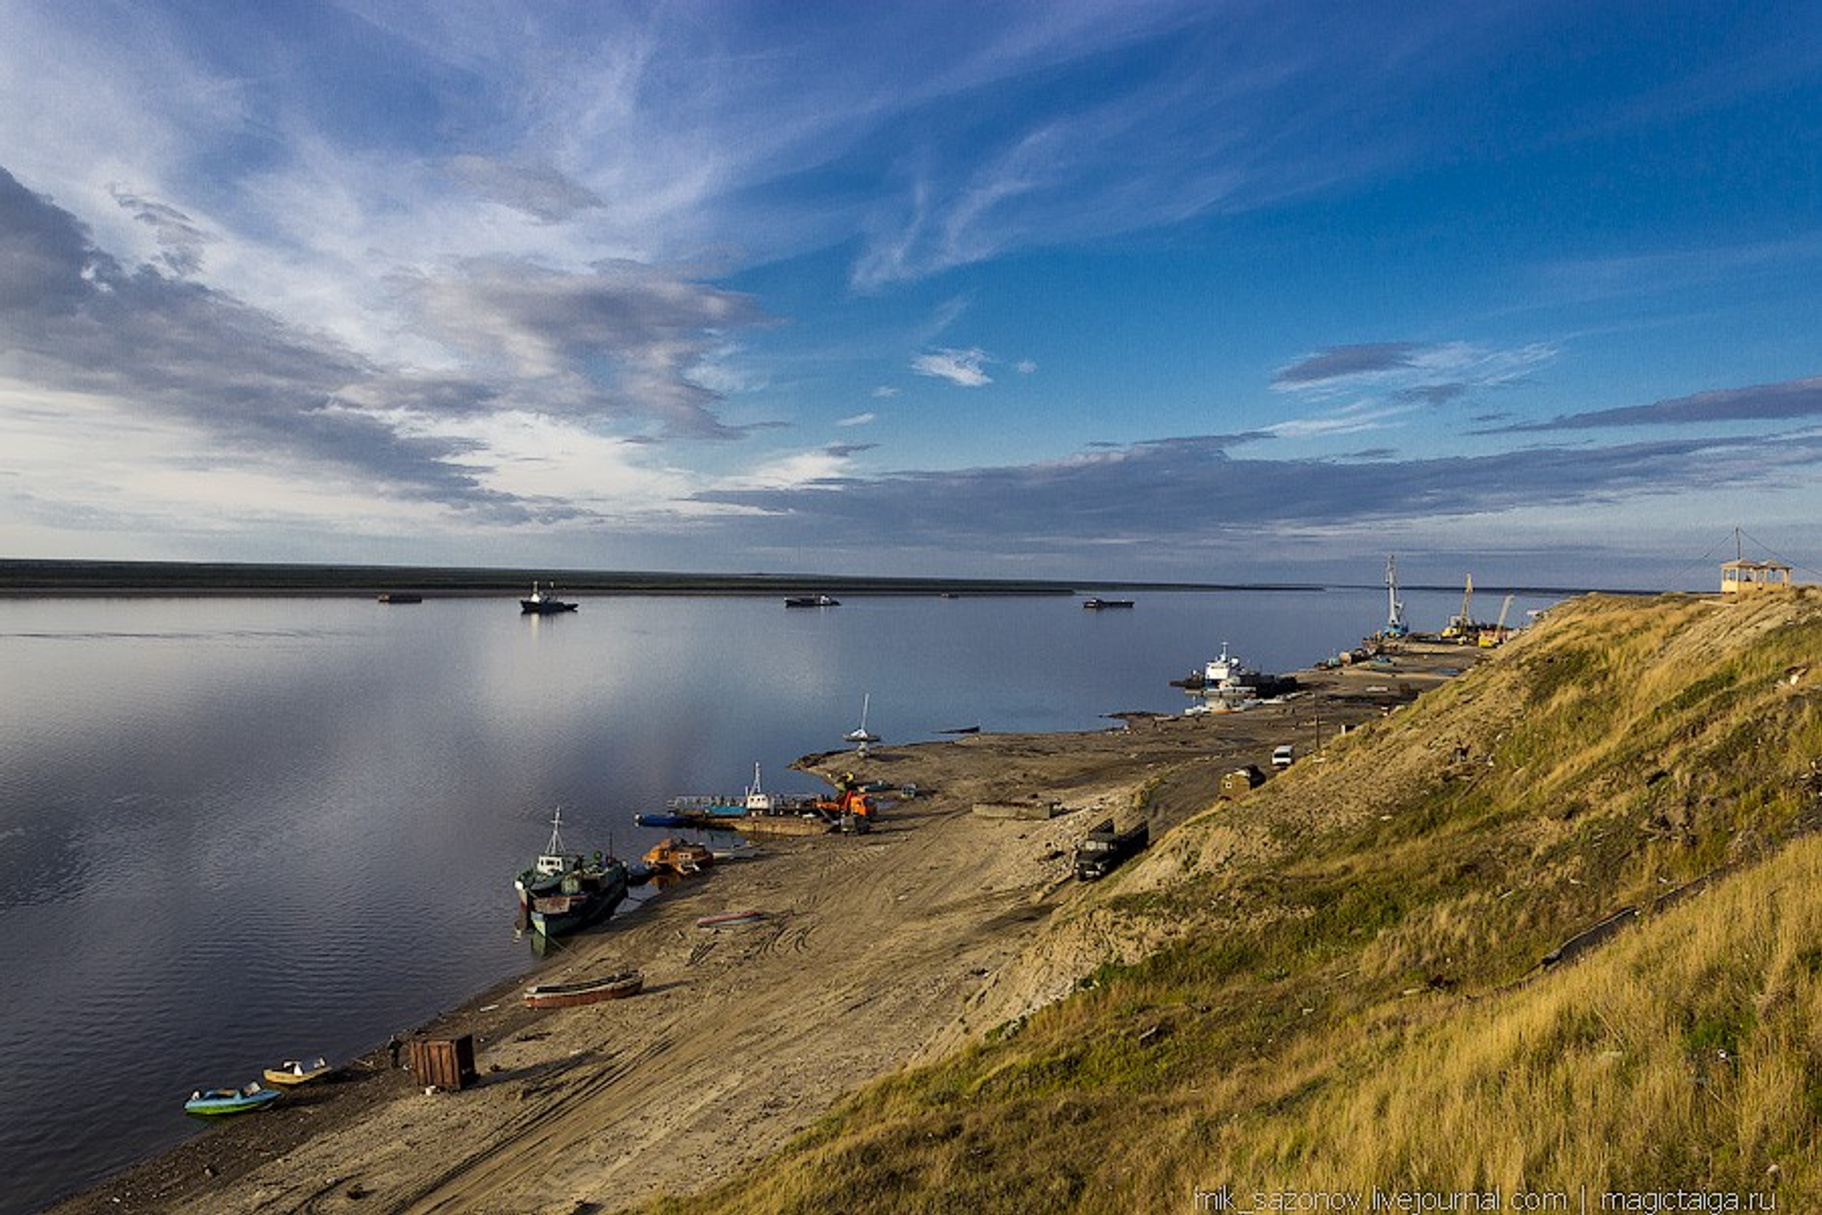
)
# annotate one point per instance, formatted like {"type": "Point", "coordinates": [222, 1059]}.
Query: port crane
{"type": "Point", "coordinates": [1497, 634]}
{"type": "Point", "coordinates": [1395, 625]}
{"type": "Point", "coordinates": [1461, 625]}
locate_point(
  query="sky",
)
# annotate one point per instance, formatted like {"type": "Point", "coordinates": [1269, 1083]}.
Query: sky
{"type": "Point", "coordinates": [1212, 291]}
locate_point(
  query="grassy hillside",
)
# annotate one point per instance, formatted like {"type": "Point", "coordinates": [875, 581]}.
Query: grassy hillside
{"type": "Point", "coordinates": [1340, 983]}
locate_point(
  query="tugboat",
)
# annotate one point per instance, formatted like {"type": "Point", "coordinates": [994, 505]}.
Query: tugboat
{"type": "Point", "coordinates": [543, 603]}
{"type": "Point", "coordinates": [562, 891]}
{"type": "Point", "coordinates": [1230, 679]}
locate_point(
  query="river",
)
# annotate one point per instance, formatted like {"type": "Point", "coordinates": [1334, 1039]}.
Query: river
{"type": "Point", "coordinates": [239, 830]}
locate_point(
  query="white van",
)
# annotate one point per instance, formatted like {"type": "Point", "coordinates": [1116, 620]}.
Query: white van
{"type": "Point", "coordinates": [1284, 756]}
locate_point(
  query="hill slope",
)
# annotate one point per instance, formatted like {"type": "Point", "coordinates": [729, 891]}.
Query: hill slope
{"type": "Point", "coordinates": [1339, 982]}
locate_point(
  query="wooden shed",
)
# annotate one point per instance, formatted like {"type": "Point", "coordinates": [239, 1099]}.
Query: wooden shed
{"type": "Point", "coordinates": [448, 1063]}
{"type": "Point", "coordinates": [1241, 781]}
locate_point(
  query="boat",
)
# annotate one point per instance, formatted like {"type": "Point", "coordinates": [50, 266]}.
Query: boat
{"type": "Point", "coordinates": [679, 856]}
{"type": "Point", "coordinates": [586, 894]}
{"type": "Point", "coordinates": [731, 919]}
{"type": "Point", "coordinates": [564, 891]}
{"type": "Point", "coordinates": [812, 601]}
{"type": "Point", "coordinates": [1095, 605]}
{"type": "Point", "coordinates": [861, 734]}
{"type": "Point", "coordinates": [585, 991]}
{"type": "Point", "coordinates": [215, 1102]}
{"type": "Point", "coordinates": [672, 819]}
{"type": "Point", "coordinates": [722, 811]}
{"type": "Point", "coordinates": [810, 822]}
{"type": "Point", "coordinates": [400, 597]}
{"type": "Point", "coordinates": [293, 1072]}
{"type": "Point", "coordinates": [543, 603]}
{"type": "Point", "coordinates": [1227, 677]}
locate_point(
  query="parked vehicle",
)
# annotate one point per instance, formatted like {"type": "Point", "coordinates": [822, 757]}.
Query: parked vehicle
{"type": "Point", "coordinates": [1105, 849]}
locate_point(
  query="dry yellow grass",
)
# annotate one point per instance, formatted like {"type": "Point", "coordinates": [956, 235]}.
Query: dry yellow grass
{"type": "Point", "coordinates": [1340, 988]}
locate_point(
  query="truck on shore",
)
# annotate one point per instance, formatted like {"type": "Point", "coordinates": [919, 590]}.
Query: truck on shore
{"type": "Point", "coordinates": [1105, 849]}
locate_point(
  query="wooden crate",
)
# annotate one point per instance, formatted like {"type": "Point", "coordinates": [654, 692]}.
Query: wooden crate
{"type": "Point", "coordinates": [447, 1063]}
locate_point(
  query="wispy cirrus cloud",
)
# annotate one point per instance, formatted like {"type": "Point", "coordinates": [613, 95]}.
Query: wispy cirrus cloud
{"type": "Point", "coordinates": [1382, 381]}
{"type": "Point", "coordinates": [1432, 372]}
{"type": "Point", "coordinates": [966, 368]}
{"type": "Point", "coordinates": [1347, 363]}
{"type": "Point", "coordinates": [541, 191]}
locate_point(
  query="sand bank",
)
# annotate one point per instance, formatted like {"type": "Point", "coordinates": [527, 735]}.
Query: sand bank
{"type": "Point", "coordinates": [873, 948]}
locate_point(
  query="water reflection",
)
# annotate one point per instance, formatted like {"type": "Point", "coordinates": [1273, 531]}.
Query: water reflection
{"type": "Point", "coordinates": [232, 831]}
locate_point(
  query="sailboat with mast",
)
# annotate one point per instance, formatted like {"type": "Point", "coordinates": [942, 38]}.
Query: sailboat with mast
{"type": "Point", "coordinates": [861, 734]}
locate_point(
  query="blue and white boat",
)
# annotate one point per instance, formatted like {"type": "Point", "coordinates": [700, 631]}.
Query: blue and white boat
{"type": "Point", "coordinates": [214, 1102]}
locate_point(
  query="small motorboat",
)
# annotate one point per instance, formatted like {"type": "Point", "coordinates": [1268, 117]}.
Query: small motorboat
{"type": "Point", "coordinates": [293, 1072]}
{"type": "Point", "coordinates": [679, 856]}
{"type": "Point", "coordinates": [214, 1102]}
{"type": "Point", "coordinates": [731, 919]}
{"type": "Point", "coordinates": [643, 819]}
{"type": "Point", "coordinates": [587, 991]}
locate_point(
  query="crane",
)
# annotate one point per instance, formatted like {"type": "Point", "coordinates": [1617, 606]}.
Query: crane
{"type": "Point", "coordinates": [1461, 625]}
{"type": "Point", "coordinates": [1497, 634]}
{"type": "Point", "coordinates": [1395, 625]}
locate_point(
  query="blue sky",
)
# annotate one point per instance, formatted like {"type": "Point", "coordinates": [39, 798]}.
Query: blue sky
{"type": "Point", "coordinates": [1222, 291]}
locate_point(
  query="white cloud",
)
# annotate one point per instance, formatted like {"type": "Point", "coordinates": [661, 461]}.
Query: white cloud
{"type": "Point", "coordinates": [961, 367]}
{"type": "Point", "coordinates": [1355, 418]}
{"type": "Point", "coordinates": [821, 467]}
{"type": "Point", "coordinates": [859, 419]}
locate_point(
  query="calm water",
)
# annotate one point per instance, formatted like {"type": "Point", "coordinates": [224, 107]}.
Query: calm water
{"type": "Point", "coordinates": [238, 831]}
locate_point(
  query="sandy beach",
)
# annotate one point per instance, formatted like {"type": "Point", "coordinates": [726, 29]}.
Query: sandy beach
{"type": "Point", "coordinates": [874, 949]}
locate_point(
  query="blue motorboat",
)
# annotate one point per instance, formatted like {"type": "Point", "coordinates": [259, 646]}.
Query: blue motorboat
{"type": "Point", "coordinates": [214, 1102]}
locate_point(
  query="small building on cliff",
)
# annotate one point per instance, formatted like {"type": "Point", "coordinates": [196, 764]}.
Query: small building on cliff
{"type": "Point", "coordinates": [1746, 577]}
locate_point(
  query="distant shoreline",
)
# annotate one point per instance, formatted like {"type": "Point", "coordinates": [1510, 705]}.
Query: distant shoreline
{"type": "Point", "coordinates": [109, 579]}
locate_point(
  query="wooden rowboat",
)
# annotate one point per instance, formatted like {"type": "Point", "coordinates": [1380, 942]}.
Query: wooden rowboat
{"type": "Point", "coordinates": [587, 991]}
{"type": "Point", "coordinates": [294, 1072]}
{"type": "Point", "coordinates": [731, 919]}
